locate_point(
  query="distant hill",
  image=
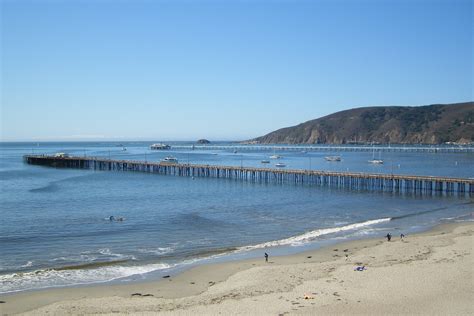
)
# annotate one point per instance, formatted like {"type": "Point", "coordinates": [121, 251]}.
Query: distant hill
{"type": "Point", "coordinates": [203, 141]}
{"type": "Point", "coordinates": [430, 124]}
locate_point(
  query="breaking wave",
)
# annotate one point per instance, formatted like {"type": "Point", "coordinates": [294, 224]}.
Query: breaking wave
{"type": "Point", "coordinates": [71, 276]}
{"type": "Point", "coordinates": [309, 236]}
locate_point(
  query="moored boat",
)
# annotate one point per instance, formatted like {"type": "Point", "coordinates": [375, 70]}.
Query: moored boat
{"type": "Point", "coordinates": [376, 161]}
{"type": "Point", "coordinates": [170, 159]}
{"type": "Point", "coordinates": [333, 158]}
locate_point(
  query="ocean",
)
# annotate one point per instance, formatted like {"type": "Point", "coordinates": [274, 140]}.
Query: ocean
{"type": "Point", "coordinates": [55, 227]}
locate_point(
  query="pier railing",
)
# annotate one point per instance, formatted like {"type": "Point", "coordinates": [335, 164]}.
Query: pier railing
{"type": "Point", "coordinates": [349, 180]}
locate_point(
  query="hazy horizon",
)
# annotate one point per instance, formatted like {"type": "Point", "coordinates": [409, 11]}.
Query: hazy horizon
{"type": "Point", "coordinates": [98, 138]}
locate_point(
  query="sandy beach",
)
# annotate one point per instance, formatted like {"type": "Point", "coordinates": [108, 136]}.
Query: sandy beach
{"type": "Point", "coordinates": [425, 274]}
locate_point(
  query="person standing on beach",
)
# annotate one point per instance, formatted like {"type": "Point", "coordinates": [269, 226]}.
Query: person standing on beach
{"type": "Point", "coordinates": [402, 236]}
{"type": "Point", "coordinates": [266, 257]}
{"type": "Point", "coordinates": [389, 237]}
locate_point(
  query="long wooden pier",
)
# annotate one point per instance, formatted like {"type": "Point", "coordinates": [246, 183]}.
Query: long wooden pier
{"type": "Point", "coordinates": [331, 148]}
{"type": "Point", "coordinates": [349, 180]}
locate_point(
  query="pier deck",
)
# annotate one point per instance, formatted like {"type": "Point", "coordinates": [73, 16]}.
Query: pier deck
{"type": "Point", "coordinates": [349, 180]}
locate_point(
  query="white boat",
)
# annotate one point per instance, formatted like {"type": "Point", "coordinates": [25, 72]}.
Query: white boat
{"type": "Point", "coordinates": [280, 165]}
{"type": "Point", "coordinates": [275, 157]}
{"type": "Point", "coordinates": [170, 159]}
{"type": "Point", "coordinates": [265, 161]}
{"type": "Point", "coordinates": [160, 147]}
{"type": "Point", "coordinates": [376, 161]}
{"type": "Point", "coordinates": [333, 158]}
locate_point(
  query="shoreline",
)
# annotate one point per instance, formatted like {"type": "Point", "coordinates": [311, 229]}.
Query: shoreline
{"type": "Point", "coordinates": [209, 288]}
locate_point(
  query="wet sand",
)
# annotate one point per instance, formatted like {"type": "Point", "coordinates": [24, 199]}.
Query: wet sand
{"type": "Point", "coordinates": [426, 274]}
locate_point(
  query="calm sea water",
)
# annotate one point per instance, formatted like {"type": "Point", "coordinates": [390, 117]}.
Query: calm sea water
{"type": "Point", "coordinates": [55, 228]}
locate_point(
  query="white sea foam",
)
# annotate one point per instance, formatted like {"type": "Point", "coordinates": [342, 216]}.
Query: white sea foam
{"type": "Point", "coordinates": [28, 264]}
{"type": "Point", "coordinates": [108, 252]}
{"type": "Point", "coordinates": [102, 254]}
{"type": "Point", "coordinates": [309, 236]}
{"type": "Point", "coordinates": [54, 278]}
{"type": "Point", "coordinates": [157, 251]}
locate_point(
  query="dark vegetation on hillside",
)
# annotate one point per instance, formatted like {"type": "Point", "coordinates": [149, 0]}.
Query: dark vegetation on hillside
{"type": "Point", "coordinates": [431, 124]}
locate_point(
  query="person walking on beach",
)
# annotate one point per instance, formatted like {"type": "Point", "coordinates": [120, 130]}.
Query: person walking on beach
{"type": "Point", "coordinates": [266, 257]}
{"type": "Point", "coordinates": [402, 236]}
{"type": "Point", "coordinates": [389, 237]}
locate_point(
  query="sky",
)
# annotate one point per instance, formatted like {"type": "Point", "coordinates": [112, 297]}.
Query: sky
{"type": "Point", "coordinates": [221, 70]}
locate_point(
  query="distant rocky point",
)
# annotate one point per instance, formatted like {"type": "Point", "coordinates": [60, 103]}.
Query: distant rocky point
{"type": "Point", "coordinates": [203, 141]}
{"type": "Point", "coordinates": [430, 124]}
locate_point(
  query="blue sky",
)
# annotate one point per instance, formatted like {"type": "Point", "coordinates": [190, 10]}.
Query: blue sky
{"type": "Point", "coordinates": [227, 70]}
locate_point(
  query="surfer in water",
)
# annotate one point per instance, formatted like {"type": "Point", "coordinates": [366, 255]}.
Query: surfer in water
{"type": "Point", "coordinates": [116, 219]}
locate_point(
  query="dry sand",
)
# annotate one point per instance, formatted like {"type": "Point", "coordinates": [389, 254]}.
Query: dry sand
{"type": "Point", "coordinates": [427, 274]}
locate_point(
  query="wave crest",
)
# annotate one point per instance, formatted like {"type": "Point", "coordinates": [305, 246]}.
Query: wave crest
{"type": "Point", "coordinates": [309, 236]}
{"type": "Point", "coordinates": [64, 277]}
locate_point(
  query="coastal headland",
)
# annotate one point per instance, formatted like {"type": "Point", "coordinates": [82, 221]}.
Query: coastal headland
{"type": "Point", "coordinates": [424, 274]}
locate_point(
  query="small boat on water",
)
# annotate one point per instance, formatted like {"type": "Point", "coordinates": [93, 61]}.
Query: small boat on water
{"type": "Point", "coordinates": [265, 161]}
{"type": "Point", "coordinates": [333, 158]}
{"type": "Point", "coordinates": [376, 161]}
{"type": "Point", "coordinates": [280, 165]}
{"type": "Point", "coordinates": [275, 157]}
{"type": "Point", "coordinates": [170, 159]}
{"type": "Point", "coordinates": [160, 147]}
